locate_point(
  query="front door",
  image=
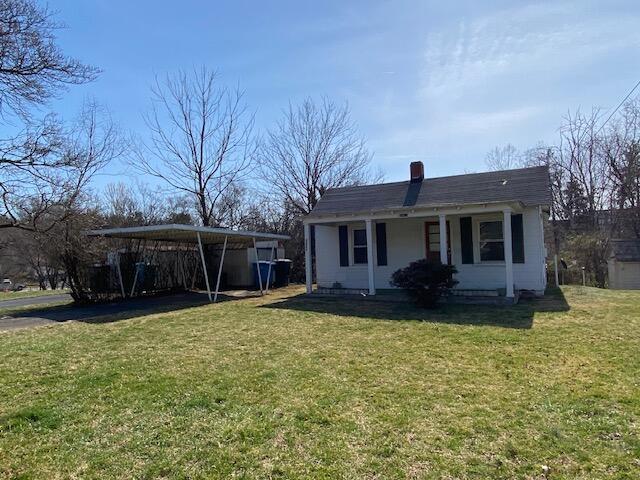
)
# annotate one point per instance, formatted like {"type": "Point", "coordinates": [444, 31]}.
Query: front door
{"type": "Point", "coordinates": [432, 235]}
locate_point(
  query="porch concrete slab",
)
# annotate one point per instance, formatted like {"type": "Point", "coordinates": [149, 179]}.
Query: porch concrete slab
{"type": "Point", "coordinates": [402, 297]}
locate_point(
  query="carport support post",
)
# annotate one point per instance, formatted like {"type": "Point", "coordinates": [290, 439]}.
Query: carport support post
{"type": "Point", "coordinates": [204, 266]}
{"type": "Point", "coordinates": [255, 249]}
{"type": "Point", "coordinates": [135, 279]}
{"type": "Point", "coordinates": [135, 268]}
{"type": "Point", "coordinates": [119, 273]}
{"type": "Point", "coordinates": [269, 274]}
{"type": "Point", "coordinates": [181, 265]}
{"type": "Point", "coordinates": [224, 249]}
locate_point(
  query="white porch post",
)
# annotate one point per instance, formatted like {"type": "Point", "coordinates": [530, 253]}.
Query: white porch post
{"type": "Point", "coordinates": [508, 251]}
{"type": "Point", "coordinates": [308, 270]}
{"type": "Point", "coordinates": [204, 266]}
{"type": "Point", "coordinates": [224, 249]}
{"type": "Point", "coordinates": [444, 248]}
{"type": "Point", "coordinates": [370, 266]}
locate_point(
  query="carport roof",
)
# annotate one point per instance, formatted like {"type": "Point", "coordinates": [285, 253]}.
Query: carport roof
{"type": "Point", "coordinates": [186, 234]}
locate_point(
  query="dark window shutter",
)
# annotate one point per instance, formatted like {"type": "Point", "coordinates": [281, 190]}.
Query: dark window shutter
{"type": "Point", "coordinates": [344, 245]}
{"type": "Point", "coordinates": [517, 238]}
{"type": "Point", "coordinates": [466, 239]}
{"type": "Point", "coordinates": [381, 243]}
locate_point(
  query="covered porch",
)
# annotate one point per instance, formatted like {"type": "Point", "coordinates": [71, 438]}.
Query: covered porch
{"type": "Point", "coordinates": [486, 243]}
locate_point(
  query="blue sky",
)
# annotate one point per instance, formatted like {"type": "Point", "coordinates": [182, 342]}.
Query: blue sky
{"type": "Point", "coordinates": [441, 82]}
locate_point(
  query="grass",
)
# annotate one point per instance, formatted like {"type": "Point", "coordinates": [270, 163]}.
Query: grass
{"type": "Point", "coordinates": [287, 387]}
{"type": "Point", "coordinates": [30, 294]}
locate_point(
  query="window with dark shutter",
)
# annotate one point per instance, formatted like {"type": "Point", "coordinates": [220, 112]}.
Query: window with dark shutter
{"type": "Point", "coordinates": [491, 241]}
{"type": "Point", "coordinates": [359, 246]}
{"type": "Point", "coordinates": [381, 243]}
{"type": "Point", "coordinates": [343, 237]}
{"type": "Point", "coordinates": [517, 238]}
{"type": "Point", "coordinates": [466, 239]}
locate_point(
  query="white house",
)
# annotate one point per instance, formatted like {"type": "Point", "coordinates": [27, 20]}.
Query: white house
{"type": "Point", "coordinates": [489, 225]}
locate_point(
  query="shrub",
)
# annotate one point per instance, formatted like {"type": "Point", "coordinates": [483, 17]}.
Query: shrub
{"type": "Point", "coordinates": [425, 281]}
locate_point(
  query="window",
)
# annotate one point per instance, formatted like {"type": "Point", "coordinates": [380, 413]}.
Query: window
{"type": "Point", "coordinates": [433, 230]}
{"type": "Point", "coordinates": [491, 242]}
{"type": "Point", "coordinates": [359, 246]}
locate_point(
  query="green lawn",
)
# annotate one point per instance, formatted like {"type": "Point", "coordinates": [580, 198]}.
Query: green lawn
{"type": "Point", "coordinates": [30, 294]}
{"type": "Point", "coordinates": [293, 387]}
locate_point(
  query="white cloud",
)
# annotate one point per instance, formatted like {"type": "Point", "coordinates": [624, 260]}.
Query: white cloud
{"type": "Point", "coordinates": [481, 122]}
{"type": "Point", "coordinates": [467, 83]}
{"type": "Point", "coordinates": [519, 42]}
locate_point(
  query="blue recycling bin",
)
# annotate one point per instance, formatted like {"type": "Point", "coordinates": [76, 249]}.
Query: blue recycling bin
{"type": "Point", "coordinates": [264, 273]}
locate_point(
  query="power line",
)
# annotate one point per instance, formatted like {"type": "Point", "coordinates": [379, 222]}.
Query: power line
{"type": "Point", "coordinates": [618, 107]}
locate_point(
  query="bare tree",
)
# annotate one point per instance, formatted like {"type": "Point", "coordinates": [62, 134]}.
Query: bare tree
{"type": "Point", "coordinates": [201, 140]}
{"type": "Point", "coordinates": [595, 184]}
{"type": "Point", "coordinates": [56, 208]}
{"type": "Point", "coordinates": [45, 179]}
{"type": "Point", "coordinates": [313, 148]}
{"type": "Point", "coordinates": [138, 204]}
{"type": "Point", "coordinates": [582, 159]}
{"type": "Point", "coordinates": [37, 168]}
{"type": "Point", "coordinates": [33, 68]}
{"type": "Point", "coordinates": [38, 254]}
{"type": "Point", "coordinates": [622, 150]}
{"type": "Point", "coordinates": [504, 158]}
{"type": "Point", "coordinates": [92, 141]}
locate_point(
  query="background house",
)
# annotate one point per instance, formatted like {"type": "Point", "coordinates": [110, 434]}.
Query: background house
{"type": "Point", "coordinates": [624, 264]}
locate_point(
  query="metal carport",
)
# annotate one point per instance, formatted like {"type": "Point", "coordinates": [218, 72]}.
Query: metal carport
{"type": "Point", "coordinates": [176, 233]}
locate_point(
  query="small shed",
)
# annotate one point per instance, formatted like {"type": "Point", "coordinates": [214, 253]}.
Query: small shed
{"type": "Point", "coordinates": [624, 264]}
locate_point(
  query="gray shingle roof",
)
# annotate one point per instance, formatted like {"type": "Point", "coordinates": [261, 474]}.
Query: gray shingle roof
{"type": "Point", "coordinates": [527, 185]}
{"type": "Point", "coordinates": [626, 250]}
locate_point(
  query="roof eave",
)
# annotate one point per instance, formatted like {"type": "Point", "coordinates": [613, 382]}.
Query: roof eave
{"type": "Point", "coordinates": [433, 208]}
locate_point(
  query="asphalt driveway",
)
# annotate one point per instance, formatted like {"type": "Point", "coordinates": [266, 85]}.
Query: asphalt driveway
{"type": "Point", "coordinates": [28, 301]}
{"type": "Point", "coordinates": [101, 313]}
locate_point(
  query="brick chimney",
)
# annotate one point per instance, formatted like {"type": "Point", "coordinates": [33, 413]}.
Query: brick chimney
{"type": "Point", "coordinates": [417, 172]}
